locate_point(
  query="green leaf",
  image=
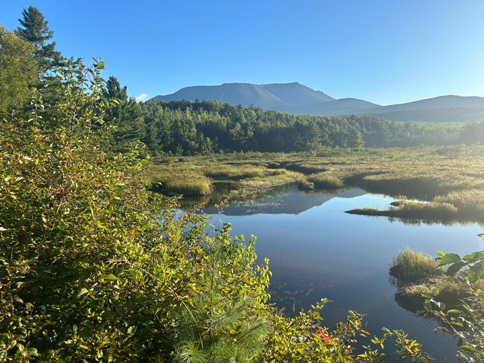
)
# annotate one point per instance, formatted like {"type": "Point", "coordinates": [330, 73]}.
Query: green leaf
{"type": "Point", "coordinates": [478, 269]}
{"type": "Point", "coordinates": [110, 277]}
{"type": "Point", "coordinates": [453, 269]}
{"type": "Point", "coordinates": [449, 258]}
{"type": "Point", "coordinates": [457, 323]}
{"type": "Point", "coordinates": [467, 348]}
{"type": "Point", "coordinates": [474, 256]}
{"type": "Point", "coordinates": [82, 292]}
{"type": "Point", "coordinates": [454, 312]}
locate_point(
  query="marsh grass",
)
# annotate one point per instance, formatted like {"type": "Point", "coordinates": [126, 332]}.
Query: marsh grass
{"type": "Point", "coordinates": [470, 201]}
{"type": "Point", "coordinates": [412, 295]}
{"type": "Point", "coordinates": [191, 186]}
{"type": "Point", "coordinates": [272, 178]}
{"type": "Point", "coordinates": [234, 172]}
{"type": "Point", "coordinates": [411, 265]}
{"type": "Point", "coordinates": [178, 179]}
{"type": "Point", "coordinates": [306, 168]}
{"type": "Point", "coordinates": [413, 210]}
{"type": "Point", "coordinates": [430, 210]}
{"type": "Point", "coordinates": [450, 178]}
{"type": "Point", "coordinates": [325, 181]}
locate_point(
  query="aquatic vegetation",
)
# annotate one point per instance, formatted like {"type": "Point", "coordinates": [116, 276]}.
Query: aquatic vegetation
{"type": "Point", "coordinates": [325, 181]}
{"type": "Point", "coordinates": [455, 301]}
{"type": "Point", "coordinates": [234, 171]}
{"type": "Point", "coordinates": [197, 185]}
{"type": "Point", "coordinates": [411, 265]}
{"type": "Point", "coordinates": [414, 210]}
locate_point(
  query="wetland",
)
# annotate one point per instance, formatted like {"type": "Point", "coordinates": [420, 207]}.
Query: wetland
{"type": "Point", "coordinates": [330, 223]}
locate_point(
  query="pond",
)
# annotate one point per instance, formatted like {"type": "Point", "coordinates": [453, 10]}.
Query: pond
{"type": "Point", "coordinates": [317, 250]}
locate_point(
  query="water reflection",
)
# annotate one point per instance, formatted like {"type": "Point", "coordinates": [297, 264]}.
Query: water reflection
{"type": "Point", "coordinates": [316, 250]}
{"type": "Point", "coordinates": [285, 200]}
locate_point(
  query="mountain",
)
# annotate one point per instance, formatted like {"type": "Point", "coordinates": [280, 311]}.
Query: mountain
{"type": "Point", "coordinates": [245, 94]}
{"type": "Point", "coordinates": [442, 108]}
{"type": "Point", "coordinates": [296, 98]}
{"type": "Point", "coordinates": [296, 93]}
{"type": "Point", "coordinates": [278, 96]}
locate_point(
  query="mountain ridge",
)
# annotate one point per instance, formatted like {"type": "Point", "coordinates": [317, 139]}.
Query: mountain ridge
{"type": "Point", "coordinates": [296, 98]}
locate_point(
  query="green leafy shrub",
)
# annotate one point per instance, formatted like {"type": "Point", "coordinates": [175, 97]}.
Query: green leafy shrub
{"type": "Point", "coordinates": [86, 271]}
{"type": "Point", "coordinates": [466, 320]}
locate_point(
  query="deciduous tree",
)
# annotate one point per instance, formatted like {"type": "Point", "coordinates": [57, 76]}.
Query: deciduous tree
{"type": "Point", "coordinates": [18, 69]}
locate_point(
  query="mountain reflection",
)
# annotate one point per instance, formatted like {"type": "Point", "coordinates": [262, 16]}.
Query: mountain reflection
{"type": "Point", "coordinates": [283, 200]}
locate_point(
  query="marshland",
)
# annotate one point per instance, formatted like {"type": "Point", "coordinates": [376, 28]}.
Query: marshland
{"type": "Point", "coordinates": [432, 183]}
{"type": "Point", "coordinates": [426, 199]}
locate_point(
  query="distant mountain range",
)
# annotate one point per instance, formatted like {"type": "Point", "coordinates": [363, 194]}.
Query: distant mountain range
{"type": "Point", "coordinates": [296, 98]}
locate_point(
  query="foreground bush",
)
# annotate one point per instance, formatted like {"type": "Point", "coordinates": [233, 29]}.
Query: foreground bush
{"type": "Point", "coordinates": [455, 301]}
{"type": "Point", "coordinates": [466, 320]}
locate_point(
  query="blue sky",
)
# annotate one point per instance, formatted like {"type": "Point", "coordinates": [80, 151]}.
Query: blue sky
{"type": "Point", "coordinates": [385, 52]}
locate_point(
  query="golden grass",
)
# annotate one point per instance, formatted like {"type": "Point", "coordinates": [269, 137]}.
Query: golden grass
{"type": "Point", "coordinates": [196, 185]}
{"type": "Point", "coordinates": [325, 180]}
{"type": "Point", "coordinates": [411, 265]}
{"type": "Point", "coordinates": [451, 177]}
{"type": "Point", "coordinates": [234, 172]}
{"type": "Point", "coordinates": [272, 178]}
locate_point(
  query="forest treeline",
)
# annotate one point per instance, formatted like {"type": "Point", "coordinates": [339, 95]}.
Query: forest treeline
{"type": "Point", "coordinates": [203, 127]}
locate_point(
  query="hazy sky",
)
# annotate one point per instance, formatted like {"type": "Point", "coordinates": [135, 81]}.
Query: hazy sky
{"type": "Point", "coordinates": [385, 52]}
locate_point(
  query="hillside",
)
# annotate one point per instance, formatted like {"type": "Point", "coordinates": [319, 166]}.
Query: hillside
{"type": "Point", "coordinates": [296, 98]}
{"type": "Point", "coordinates": [443, 108]}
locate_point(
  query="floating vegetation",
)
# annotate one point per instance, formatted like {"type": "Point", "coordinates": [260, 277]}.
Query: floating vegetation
{"type": "Point", "coordinates": [413, 210]}
{"type": "Point", "coordinates": [411, 265]}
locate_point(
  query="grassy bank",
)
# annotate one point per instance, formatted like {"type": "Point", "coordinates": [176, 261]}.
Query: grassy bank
{"type": "Point", "coordinates": [419, 276]}
{"type": "Point", "coordinates": [449, 179]}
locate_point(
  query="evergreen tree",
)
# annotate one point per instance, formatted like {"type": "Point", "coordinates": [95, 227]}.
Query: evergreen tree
{"type": "Point", "coordinates": [113, 90]}
{"type": "Point", "coordinates": [35, 30]}
{"type": "Point", "coordinates": [125, 114]}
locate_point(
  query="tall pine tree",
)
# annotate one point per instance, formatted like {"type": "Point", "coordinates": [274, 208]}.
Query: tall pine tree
{"type": "Point", "coordinates": [125, 114]}
{"type": "Point", "coordinates": [35, 30]}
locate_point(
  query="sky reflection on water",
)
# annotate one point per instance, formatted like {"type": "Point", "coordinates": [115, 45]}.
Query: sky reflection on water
{"type": "Point", "coordinates": [323, 252]}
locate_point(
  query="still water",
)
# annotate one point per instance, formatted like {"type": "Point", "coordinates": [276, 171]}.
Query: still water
{"type": "Point", "coordinates": [317, 250]}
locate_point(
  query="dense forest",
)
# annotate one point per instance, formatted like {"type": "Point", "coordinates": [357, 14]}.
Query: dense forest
{"type": "Point", "coordinates": [95, 268]}
{"type": "Point", "coordinates": [188, 128]}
